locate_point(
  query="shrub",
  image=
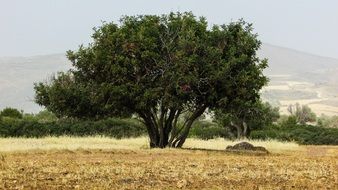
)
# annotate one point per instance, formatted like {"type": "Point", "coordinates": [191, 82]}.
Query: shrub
{"type": "Point", "coordinates": [117, 128]}
{"type": "Point", "coordinates": [207, 130]}
{"type": "Point", "coordinates": [11, 112]}
{"type": "Point", "coordinates": [303, 134]}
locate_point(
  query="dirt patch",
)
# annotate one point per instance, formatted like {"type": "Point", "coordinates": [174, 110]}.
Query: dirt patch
{"type": "Point", "coordinates": [166, 169]}
{"type": "Point", "coordinates": [245, 146]}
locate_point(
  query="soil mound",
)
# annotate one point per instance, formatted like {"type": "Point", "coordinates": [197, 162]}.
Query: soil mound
{"type": "Point", "coordinates": [245, 146]}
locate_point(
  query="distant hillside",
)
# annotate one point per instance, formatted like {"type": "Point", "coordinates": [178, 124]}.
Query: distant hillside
{"type": "Point", "coordinates": [295, 77]}
{"type": "Point", "coordinates": [285, 61]}
{"type": "Point", "coordinates": [301, 77]}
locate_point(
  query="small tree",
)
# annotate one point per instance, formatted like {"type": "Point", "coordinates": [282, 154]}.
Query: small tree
{"type": "Point", "coordinates": [45, 116]}
{"type": "Point", "coordinates": [303, 114]}
{"type": "Point", "coordinates": [158, 68]}
{"type": "Point", "coordinates": [328, 121]}
{"type": "Point", "coordinates": [242, 119]}
{"type": "Point", "coordinates": [12, 113]}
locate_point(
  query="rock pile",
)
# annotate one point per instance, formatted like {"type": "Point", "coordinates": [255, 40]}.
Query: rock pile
{"type": "Point", "coordinates": [245, 146]}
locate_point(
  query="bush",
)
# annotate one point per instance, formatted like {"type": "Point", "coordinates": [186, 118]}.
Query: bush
{"type": "Point", "coordinates": [264, 134]}
{"type": "Point", "coordinates": [303, 134]}
{"type": "Point", "coordinates": [117, 128]}
{"type": "Point", "coordinates": [287, 130]}
{"type": "Point", "coordinates": [11, 112]}
{"type": "Point", "coordinates": [207, 130]}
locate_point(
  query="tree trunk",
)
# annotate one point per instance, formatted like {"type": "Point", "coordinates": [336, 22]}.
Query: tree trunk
{"type": "Point", "coordinates": [184, 132]}
{"type": "Point", "coordinates": [245, 129]}
{"type": "Point", "coordinates": [163, 131]}
{"type": "Point", "coordinates": [238, 130]}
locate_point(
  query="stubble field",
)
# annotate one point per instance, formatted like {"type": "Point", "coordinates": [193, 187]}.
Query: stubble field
{"type": "Point", "coordinates": [103, 163]}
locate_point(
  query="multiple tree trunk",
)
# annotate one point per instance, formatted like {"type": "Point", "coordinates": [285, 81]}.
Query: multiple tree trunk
{"type": "Point", "coordinates": [165, 126]}
{"type": "Point", "coordinates": [241, 128]}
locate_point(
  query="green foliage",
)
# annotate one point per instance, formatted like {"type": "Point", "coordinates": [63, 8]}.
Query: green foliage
{"type": "Point", "coordinates": [43, 116]}
{"type": "Point", "coordinates": [303, 134]}
{"type": "Point", "coordinates": [254, 116]}
{"type": "Point", "coordinates": [117, 128]}
{"type": "Point", "coordinates": [290, 128]}
{"type": "Point", "coordinates": [11, 112]}
{"type": "Point", "coordinates": [124, 128]}
{"type": "Point", "coordinates": [158, 67]}
{"type": "Point", "coordinates": [207, 130]}
{"type": "Point", "coordinates": [287, 121]}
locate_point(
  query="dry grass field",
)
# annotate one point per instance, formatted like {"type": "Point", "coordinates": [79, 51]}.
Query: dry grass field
{"type": "Point", "coordinates": [103, 163]}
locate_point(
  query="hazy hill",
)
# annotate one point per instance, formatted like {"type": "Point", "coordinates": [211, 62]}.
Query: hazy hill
{"type": "Point", "coordinates": [295, 77]}
{"type": "Point", "coordinates": [285, 61]}
{"type": "Point", "coordinates": [301, 77]}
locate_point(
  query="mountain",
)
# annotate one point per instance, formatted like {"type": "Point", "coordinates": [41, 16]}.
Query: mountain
{"type": "Point", "coordinates": [285, 61]}
{"type": "Point", "coordinates": [294, 77]}
{"type": "Point", "coordinates": [298, 77]}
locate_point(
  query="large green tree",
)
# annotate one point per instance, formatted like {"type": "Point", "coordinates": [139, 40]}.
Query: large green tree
{"type": "Point", "coordinates": [158, 68]}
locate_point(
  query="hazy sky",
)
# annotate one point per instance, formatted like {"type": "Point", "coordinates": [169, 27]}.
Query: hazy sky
{"type": "Point", "coordinates": [33, 27]}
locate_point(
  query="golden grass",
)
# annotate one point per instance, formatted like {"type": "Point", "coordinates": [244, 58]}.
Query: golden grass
{"type": "Point", "coordinates": [220, 144]}
{"type": "Point", "coordinates": [70, 143]}
{"type": "Point", "coordinates": [74, 143]}
{"type": "Point", "coordinates": [104, 163]}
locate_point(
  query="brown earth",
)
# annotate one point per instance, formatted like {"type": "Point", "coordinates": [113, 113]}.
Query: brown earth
{"type": "Point", "coordinates": [168, 169]}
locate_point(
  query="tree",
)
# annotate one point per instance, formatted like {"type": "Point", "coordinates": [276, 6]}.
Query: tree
{"type": "Point", "coordinates": [242, 119]}
{"type": "Point", "coordinates": [43, 116]}
{"type": "Point", "coordinates": [328, 121]}
{"type": "Point", "coordinates": [158, 68]}
{"type": "Point", "coordinates": [12, 113]}
{"type": "Point", "coordinates": [303, 114]}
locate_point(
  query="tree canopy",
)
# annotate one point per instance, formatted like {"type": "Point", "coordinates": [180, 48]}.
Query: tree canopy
{"type": "Point", "coordinates": [11, 112]}
{"type": "Point", "coordinates": [158, 68]}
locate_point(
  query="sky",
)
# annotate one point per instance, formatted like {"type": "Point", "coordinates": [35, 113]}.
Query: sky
{"type": "Point", "coordinates": [38, 27]}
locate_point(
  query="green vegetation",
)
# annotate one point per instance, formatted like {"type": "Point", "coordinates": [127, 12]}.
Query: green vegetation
{"type": "Point", "coordinates": [11, 113]}
{"type": "Point", "coordinates": [117, 128]}
{"type": "Point", "coordinates": [158, 68]}
{"type": "Point", "coordinates": [166, 72]}
{"type": "Point", "coordinates": [295, 127]}
{"type": "Point", "coordinates": [302, 134]}
{"type": "Point", "coordinates": [42, 117]}
{"type": "Point", "coordinates": [46, 124]}
{"type": "Point", "coordinates": [240, 120]}
{"type": "Point", "coordinates": [208, 130]}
